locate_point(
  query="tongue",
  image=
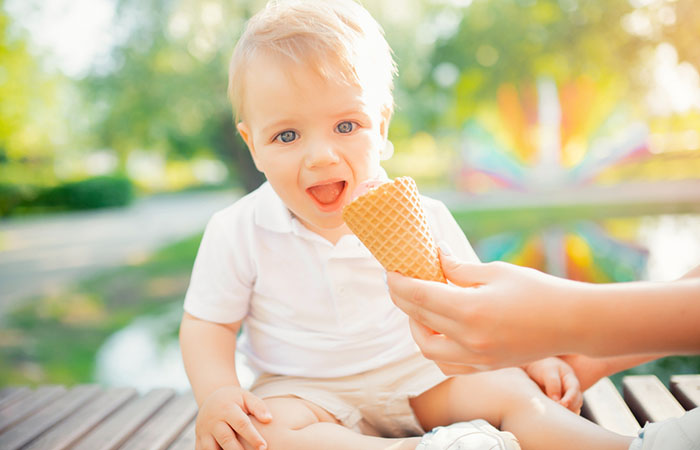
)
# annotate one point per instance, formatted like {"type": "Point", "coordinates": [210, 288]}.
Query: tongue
{"type": "Point", "coordinates": [367, 186]}
{"type": "Point", "coordinates": [327, 193]}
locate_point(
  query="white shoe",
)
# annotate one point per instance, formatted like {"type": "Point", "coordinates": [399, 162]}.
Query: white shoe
{"type": "Point", "coordinates": [678, 433]}
{"type": "Point", "coordinates": [475, 435]}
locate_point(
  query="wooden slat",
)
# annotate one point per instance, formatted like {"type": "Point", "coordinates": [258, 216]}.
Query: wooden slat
{"type": "Point", "coordinates": [117, 428]}
{"type": "Point", "coordinates": [649, 399]}
{"type": "Point", "coordinates": [79, 423]}
{"type": "Point", "coordinates": [31, 403]}
{"type": "Point", "coordinates": [186, 440]}
{"type": "Point", "coordinates": [10, 395]}
{"type": "Point", "coordinates": [165, 426]}
{"type": "Point", "coordinates": [603, 405]}
{"type": "Point", "coordinates": [686, 389]}
{"type": "Point", "coordinates": [24, 432]}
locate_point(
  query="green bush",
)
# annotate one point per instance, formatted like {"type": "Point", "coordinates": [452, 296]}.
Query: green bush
{"type": "Point", "coordinates": [97, 192]}
{"type": "Point", "coordinates": [13, 195]}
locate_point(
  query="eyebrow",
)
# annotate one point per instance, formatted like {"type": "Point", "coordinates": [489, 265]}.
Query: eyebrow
{"type": "Point", "coordinates": [280, 124]}
{"type": "Point", "coordinates": [359, 111]}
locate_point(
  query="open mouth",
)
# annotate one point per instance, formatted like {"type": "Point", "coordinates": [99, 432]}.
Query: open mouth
{"type": "Point", "coordinates": [328, 195]}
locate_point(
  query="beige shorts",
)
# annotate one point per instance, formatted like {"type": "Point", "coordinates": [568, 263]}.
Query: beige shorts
{"type": "Point", "coordinates": [373, 402]}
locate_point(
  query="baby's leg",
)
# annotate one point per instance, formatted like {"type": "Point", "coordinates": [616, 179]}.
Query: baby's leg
{"type": "Point", "coordinates": [509, 400]}
{"type": "Point", "coordinates": [299, 424]}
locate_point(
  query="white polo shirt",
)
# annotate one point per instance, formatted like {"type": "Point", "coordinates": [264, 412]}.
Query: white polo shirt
{"type": "Point", "coordinates": [310, 308]}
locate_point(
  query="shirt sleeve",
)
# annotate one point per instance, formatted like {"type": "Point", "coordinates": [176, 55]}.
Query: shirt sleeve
{"type": "Point", "coordinates": [445, 228]}
{"type": "Point", "coordinates": [222, 277]}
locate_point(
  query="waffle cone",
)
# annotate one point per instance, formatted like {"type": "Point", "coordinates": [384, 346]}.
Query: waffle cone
{"type": "Point", "coordinates": [391, 223]}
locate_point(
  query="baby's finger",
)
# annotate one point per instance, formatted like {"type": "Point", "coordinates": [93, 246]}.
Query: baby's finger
{"type": "Point", "coordinates": [241, 424]}
{"type": "Point", "coordinates": [572, 402]}
{"type": "Point", "coordinates": [552, 385]}
{"type": "Point", "coordinates": [577, 403]}
{"type": "Point", "coordinates": [225, 437]}
{"type": "Point", "coordinates": [257, 407]}
{"type": "Point", "coordinates": [573, 398]}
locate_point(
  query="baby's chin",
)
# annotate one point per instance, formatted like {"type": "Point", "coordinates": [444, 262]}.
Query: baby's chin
{"type": "Point", "coordinates": [332, 224]}
{"type": "Point", "coordinates": [335, 224]}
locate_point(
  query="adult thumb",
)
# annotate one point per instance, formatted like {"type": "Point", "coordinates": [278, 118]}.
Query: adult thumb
{"type": "Point", "coordinates": [462, 273]}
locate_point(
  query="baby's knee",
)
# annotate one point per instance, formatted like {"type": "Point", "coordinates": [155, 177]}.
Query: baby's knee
{"type": "Point", "coordinates": [510, 385]}
{"type": "Point", "coordinates": [288, 416]}
{"type": "Point", "coordinates": [273, 433]}
{"type": "Point", "coordinates": [277, 435]}
{"type": "Point", "coordinates": [520, 392]}
{"type": "Point", "coordinates": [516, 382]}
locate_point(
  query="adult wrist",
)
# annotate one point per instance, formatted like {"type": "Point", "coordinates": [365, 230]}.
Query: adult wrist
{"type": "Point", "coordinates": [580, 315]}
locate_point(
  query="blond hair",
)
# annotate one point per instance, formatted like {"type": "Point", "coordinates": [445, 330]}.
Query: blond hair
{"type": "Point", "coordinates": [338, 39]}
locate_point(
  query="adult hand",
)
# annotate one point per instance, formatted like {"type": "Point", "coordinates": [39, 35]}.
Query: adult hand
{"type": "Point", "coordinates": [493, 315]}
{"type": "Point", "coordinates": [224, 419]}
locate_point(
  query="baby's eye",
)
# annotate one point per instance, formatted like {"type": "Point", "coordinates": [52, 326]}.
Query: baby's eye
{"type": "Point", "coordinates": [346, 127]}
{"type": "Point", "coordinates": [287, 136]}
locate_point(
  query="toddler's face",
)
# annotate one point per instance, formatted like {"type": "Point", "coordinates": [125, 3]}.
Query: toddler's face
{"type": "Point", "coordinates": [315, 140]}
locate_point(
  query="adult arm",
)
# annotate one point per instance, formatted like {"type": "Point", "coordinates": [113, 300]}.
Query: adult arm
{"type": "Point", "coordinates": [497, 314]}
{"type": "Point", "coordinates": [588, 370]}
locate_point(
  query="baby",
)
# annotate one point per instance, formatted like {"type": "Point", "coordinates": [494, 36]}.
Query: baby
{"type": "Point", "coordinates": [311, 83]}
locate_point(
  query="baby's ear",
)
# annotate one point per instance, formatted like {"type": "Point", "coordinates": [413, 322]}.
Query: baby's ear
{"type": "Point", "coordinates": [385, 118]}
{"type": "Point", "coordinates": [244, 131]}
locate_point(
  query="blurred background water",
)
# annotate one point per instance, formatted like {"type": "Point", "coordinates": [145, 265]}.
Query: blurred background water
{"type": "Point", "coordinates": [563, 134]}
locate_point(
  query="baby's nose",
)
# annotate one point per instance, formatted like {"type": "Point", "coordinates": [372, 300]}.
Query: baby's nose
{"type": "Point", "coordinates": [321, 155]}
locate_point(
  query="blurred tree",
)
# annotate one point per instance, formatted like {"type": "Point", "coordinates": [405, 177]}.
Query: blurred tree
{"type": "Point", "coordinates": [29, 130]}
{"type": "Point", "coordinates": [167, 91]}
{"type": "Point", "coordinates": [460, 54]}
{"type": "Point", "coordinates": [673, 21]}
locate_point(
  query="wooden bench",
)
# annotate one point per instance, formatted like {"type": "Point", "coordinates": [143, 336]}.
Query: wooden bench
{"type": "Point", "coordinates": [90, 417]}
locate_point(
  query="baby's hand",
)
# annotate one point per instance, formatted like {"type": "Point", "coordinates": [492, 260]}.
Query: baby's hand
{"type": "Point", "coordinates": [224, 419]}
{"type": "Point", "coordinates": [558, 381]}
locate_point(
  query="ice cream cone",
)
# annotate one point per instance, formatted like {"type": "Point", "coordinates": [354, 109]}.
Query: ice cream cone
{"type": "Point", "coordinates": [390, 221]}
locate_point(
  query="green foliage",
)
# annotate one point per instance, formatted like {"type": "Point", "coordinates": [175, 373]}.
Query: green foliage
{"type": "Point", "coordinates": [29, 107]}
{"type": "Point", "coordinates": [12, 196]}
{"type": "Point", "coordinates": [489, 44]}
{"type": "Point", "coordinates": [170, 91]}
{"type": "Point", "coordinates": [91, 193]}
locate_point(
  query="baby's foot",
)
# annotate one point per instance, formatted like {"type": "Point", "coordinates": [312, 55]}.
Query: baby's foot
{"type": "Point", "coordinates": [475, 435]}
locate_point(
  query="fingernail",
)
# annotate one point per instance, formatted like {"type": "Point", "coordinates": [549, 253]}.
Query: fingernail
{"type": "Point", "coordinates": [445, 248]}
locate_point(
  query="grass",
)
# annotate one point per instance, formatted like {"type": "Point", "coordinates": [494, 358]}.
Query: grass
{"type": "Point", "coordinates": [54, 339]}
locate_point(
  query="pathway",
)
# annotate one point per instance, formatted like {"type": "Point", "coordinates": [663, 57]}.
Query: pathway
{"type": "Point", "coordinates": [39, 255]}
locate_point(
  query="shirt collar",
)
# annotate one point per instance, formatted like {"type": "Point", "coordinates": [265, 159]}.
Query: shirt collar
{"type": "Point", "coordinates": [272, 214]}
{"type": "Point", "coordinates": [270, 211]}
